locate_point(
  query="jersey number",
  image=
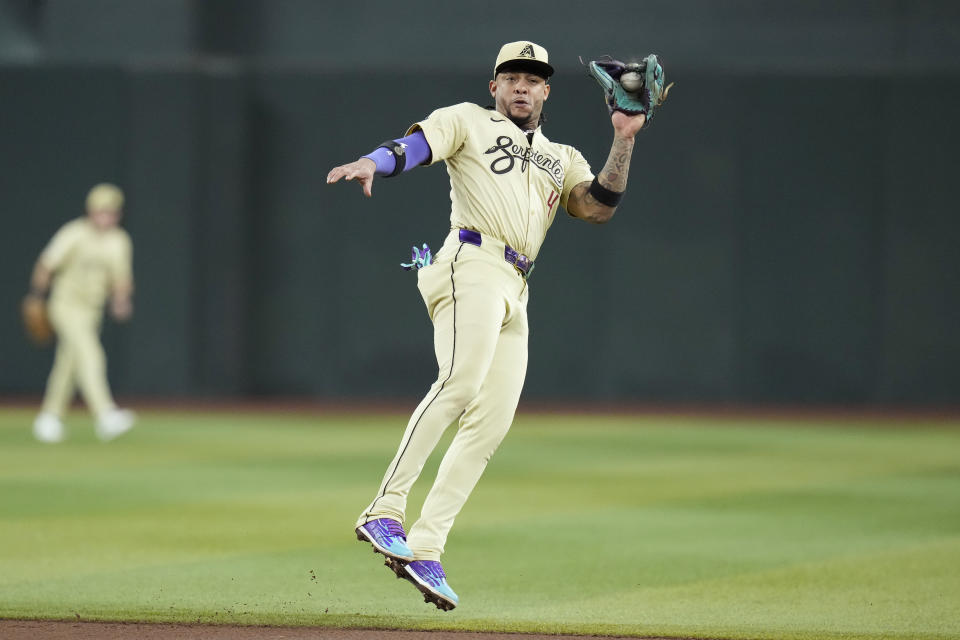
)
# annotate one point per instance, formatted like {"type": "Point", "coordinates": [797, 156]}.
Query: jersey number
{"type": "Point", "coordinates": [552, 200]}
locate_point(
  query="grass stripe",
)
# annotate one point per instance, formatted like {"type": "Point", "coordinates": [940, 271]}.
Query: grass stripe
{"type": "Point", "coordinates": [695, 527]}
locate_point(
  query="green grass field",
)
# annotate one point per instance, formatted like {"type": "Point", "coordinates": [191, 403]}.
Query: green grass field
{"type": "Point", "coordinates": [694, 527]}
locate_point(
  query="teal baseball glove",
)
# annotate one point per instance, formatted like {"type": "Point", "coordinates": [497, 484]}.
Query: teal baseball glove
{"type": "Point", "coordinates": [632, 88]}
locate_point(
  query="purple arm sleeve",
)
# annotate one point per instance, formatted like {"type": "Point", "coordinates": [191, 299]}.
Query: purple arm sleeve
{"type": "Point", "coordinates": [418, 151]}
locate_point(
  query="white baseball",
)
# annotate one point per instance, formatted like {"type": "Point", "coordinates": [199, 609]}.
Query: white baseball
{"type": "Point", "coordinates": [631, 81]}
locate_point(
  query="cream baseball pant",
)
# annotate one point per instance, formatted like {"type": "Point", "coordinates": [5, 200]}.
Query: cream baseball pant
{"type": "Point", "coordinates": [80, 361]}
{"type": "Point", "coordinates": [478, 304]}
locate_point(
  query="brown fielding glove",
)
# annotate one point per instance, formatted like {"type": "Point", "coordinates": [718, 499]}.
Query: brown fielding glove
{"type": "Point", "coordinates": [35, 321]}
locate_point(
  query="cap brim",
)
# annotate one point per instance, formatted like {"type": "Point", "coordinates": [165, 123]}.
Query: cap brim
{"type": "Point", "coordinates": [531, 66]}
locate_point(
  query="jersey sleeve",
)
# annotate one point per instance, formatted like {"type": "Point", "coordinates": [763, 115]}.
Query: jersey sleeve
{"type": "Point", "coordinates": [577, 171]}
{"type": "Point", "coordinates": [121, 267]}
{"type": "Point", "coordinates": [445, 130]}
{"type": "Point", "coordinates": [60, 246]}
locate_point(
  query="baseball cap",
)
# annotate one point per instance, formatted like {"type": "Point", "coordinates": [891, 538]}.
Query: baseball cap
{"type": "Point", "coordinates": [103, 196]}
{"type": "Point", "coordinates": [525, 55]}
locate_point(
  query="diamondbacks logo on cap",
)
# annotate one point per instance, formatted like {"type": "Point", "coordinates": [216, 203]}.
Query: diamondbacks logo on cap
{"type": "Point", "coordinates": [527, 52]}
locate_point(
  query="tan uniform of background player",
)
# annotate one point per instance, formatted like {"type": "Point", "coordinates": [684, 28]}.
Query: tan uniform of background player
{"type": "Point", "coordinates": [86, 263]}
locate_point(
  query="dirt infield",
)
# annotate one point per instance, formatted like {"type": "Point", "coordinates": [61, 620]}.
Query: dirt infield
{"type": "Point", "coordinates": [52, 630]}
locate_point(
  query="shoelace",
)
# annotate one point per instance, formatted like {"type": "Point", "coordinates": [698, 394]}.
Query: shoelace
{"type": "Point", "coordinates": [431, 569]}
{"type": "Point", "coordinates": [393, 528]}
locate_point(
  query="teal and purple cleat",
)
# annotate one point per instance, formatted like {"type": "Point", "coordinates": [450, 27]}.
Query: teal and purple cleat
{"type": "Point", "coordinates": [387, 537]}
{"type": "Point", "coordinates": [429, 578]}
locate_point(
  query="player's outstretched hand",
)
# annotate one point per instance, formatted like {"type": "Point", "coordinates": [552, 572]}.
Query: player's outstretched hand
{"type": "Point", "coordinates": [121, 308]}
{"type": "Point", "coordinates": [360, 170]}
{"type": "Point", "coordinates": [627, 126]}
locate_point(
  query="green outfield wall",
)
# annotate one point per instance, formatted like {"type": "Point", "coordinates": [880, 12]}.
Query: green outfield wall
{"type": "Point", "coordinates": [788, 236]}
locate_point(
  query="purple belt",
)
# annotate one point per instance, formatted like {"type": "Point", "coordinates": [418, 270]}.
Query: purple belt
{"type": "Point", "coordinates": [523, 264]}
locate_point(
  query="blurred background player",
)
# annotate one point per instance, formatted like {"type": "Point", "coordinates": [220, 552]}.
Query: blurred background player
{"type": "Point", "coordinates": [87, 263]}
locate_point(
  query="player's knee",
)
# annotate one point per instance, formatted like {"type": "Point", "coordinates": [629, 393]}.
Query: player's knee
{"type": "Point", "coordinates": [461, 390]}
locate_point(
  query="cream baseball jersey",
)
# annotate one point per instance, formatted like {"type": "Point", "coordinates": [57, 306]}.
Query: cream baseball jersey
{"type": "Point", "coordinates": [501, 183]}
{"type": "Point", "coordinates": [87, 262]}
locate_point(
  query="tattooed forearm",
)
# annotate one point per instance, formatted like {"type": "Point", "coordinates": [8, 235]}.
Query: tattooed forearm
{"type": "Point", "coordinates": [613, 176]}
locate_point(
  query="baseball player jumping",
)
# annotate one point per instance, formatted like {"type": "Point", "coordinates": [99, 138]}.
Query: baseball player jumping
{"type": "Point", "coordinates": [507, 183]}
